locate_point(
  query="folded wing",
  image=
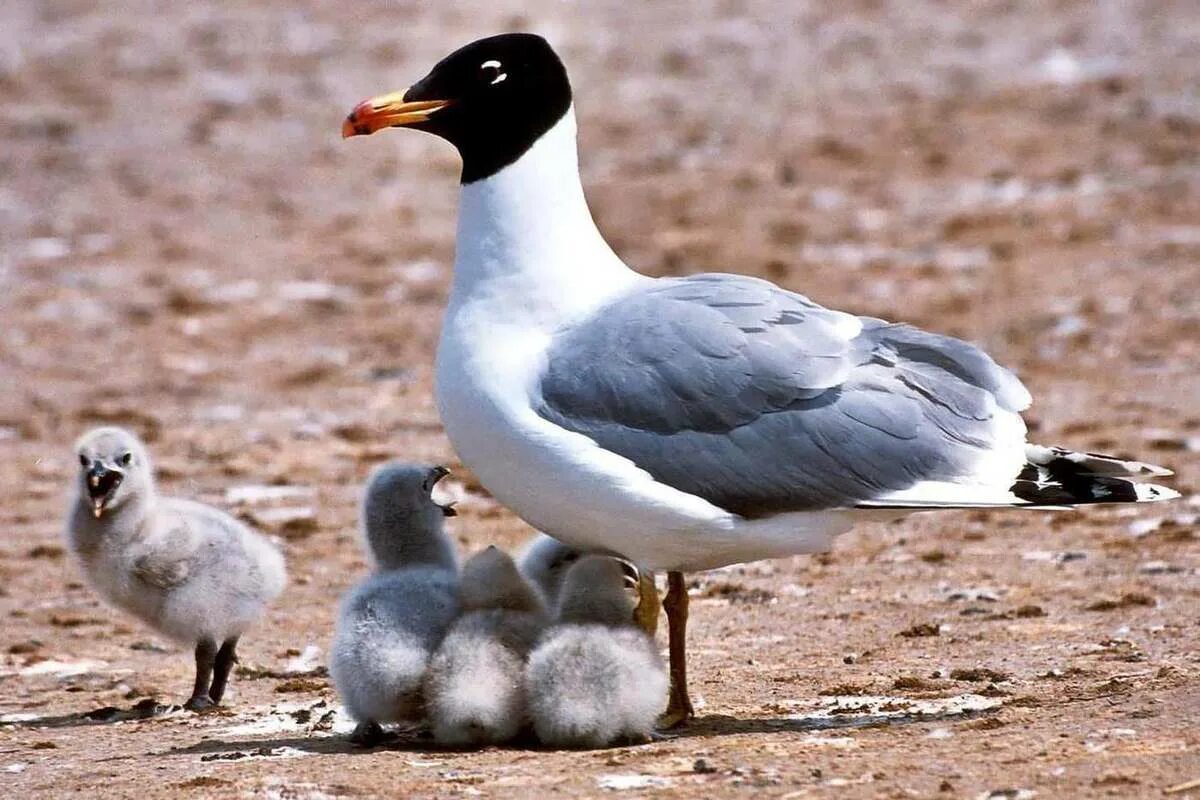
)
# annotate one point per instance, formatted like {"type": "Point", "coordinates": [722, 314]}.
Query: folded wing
{"type": "Point", "coordinates": [761, 401]}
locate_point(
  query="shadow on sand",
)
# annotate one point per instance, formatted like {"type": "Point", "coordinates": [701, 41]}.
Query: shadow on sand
{"type": "Point", "coordinates": [317, 743]}
{"type": "Point", "coordinates": [143, 710]}
{"type": "Point", "coordinates": [712, 725]}
{"type": "Point", "coordinates": [708, 726]}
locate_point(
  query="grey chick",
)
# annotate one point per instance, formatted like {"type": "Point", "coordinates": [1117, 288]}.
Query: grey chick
{"type": "Point", "coordinates": [392, 621]}
{"type": "Point", "coordinates": [189, 571]}
{"type": "Point", "coordinates": [474, 692]}
{"type": "Point", "coordinates": [596, 677]}
{"type": "Point", "coordinates": [544, 561]}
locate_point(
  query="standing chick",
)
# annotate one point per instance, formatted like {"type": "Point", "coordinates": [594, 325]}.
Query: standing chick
{"type": "Point", "coordinates": [474, 692]}
{"type": "Point", "coordinates": [190, 571]}
{"type": "Point", "coordinates": [596, 677]}
{"type": "Point", "coordinates": [391, 622]}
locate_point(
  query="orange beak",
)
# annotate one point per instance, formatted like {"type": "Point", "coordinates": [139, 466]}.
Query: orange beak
{"type": "Point", "coordinates": [389, 111]}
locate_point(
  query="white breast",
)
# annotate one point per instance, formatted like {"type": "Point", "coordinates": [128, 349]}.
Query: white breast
{"type": "Point", "coordinates": [564, 484]}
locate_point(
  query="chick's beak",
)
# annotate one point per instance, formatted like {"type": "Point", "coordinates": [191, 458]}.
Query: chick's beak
{"type": "Point", "coordinates": [389, 111]}
{"type": "Point", "coordinates": [101, 485]}
{"type": "Point", "coordinates": [437, 474]}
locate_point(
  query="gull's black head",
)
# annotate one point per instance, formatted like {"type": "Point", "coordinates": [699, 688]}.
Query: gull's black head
{"type": "Point", "coordinates": [492, 99]}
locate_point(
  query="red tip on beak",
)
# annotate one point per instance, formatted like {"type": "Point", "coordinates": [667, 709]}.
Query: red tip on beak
{"type": "Point", "coordinates": [352, 126]}
{"type": "Point", "coordinates": [389, 111]}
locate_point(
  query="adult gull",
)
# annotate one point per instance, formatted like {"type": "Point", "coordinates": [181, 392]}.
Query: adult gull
{"type": "Point", "coordinates": [688, 423]}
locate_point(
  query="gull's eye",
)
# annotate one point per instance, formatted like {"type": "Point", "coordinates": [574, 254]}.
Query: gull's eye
{"type": "Point", "coordinates": [493, 72]}
{"type": "Point", "coordinates": [126, 459]}
{"type": "Point", "coordinates": [84, 461]}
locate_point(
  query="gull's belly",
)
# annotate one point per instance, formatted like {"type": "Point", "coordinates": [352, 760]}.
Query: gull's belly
{"type": "Point", "coordinates": [564, 484]}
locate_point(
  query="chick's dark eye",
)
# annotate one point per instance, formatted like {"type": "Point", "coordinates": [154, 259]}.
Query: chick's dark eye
{"type": "Point", "coordinates": [126, 459]}
{"type": "Point", "coordinates": [84, 461]}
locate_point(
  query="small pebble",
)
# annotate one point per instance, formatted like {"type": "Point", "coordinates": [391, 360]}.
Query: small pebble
{"type": "Point", "coordinates": [1158, 568]}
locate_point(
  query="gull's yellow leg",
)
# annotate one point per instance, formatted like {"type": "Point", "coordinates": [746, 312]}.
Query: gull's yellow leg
{"type": "Point", "coordinates": [679, 706]}
{"type": "Point", "coordinates": [649, 605]}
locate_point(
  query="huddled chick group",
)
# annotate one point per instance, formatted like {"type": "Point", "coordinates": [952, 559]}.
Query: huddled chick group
{"type": "Point", "coordinates": [552, 644]}
{"type": "Point", "coordinates": [548, 645]}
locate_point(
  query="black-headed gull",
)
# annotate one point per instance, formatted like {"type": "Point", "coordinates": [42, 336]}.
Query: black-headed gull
{"type": "Point", "coordinates": [688, 423]}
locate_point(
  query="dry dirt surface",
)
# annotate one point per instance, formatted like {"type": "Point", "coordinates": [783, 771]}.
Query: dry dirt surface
{"type": "Point", "coordinates": [190, 249]}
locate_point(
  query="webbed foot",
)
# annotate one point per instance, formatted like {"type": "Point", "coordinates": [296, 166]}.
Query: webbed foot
{"type": "Point", "coordinates": [675, 716]}
{"type": "Point", "coordinates": [200, 703]}
{"type": "Point", "coordinates": [367, 734]}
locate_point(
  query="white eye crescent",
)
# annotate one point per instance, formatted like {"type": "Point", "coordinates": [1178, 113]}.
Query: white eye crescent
{"type": "Point", "coordinates": [494, 64]}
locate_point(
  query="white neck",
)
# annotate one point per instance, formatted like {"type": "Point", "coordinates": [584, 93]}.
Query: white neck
{"type": "Point", "coordinates": [527, 241]}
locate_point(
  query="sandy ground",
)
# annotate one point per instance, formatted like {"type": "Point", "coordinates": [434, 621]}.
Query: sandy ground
{"type": "Point", "coordinates": [188, 248]}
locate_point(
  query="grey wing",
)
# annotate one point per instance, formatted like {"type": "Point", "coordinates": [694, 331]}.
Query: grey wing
{"type": "Point", "coordinates": [172, 552]}
{"type": "Point", "coordinates": [163, 568]}
{"type": "Point", "coordinates": [760, 401]}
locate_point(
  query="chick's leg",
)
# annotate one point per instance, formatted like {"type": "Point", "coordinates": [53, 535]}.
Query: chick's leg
{"type": "Point", "coordinates": [226, 658]}
{"type": "Point", "coordinates": [206, 656]}
{"type": "Point", "coordinates": [367, 734]}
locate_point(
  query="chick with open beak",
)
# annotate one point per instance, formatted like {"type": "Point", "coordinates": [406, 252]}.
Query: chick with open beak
{"type": "Point", "coordinates": [101, 484]}
{"type": "Point", "coordinates": [110, 474]}
{"type": "Point", "coordinates": [189, 571]}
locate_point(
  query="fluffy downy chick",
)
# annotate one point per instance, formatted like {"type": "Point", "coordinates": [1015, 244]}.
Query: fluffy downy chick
{"type": "Point", "coordinates": [474, 689]}
{"type": "Point", "coordinates": [391, 622]}
{"type": "Point", "coordinates": [189, 571]}
{"type": "Point", "coordinates": [596, 677]}
{"type": "Point", "coordinates": [544, 562]}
